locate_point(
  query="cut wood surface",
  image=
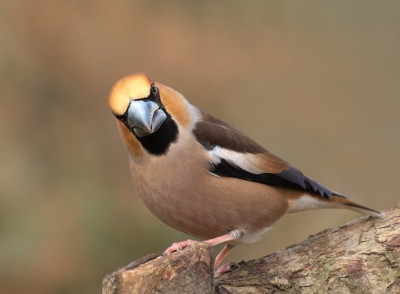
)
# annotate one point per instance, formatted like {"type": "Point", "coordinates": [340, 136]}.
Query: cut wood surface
{"type": "Point", "coordinates": [362, 256]}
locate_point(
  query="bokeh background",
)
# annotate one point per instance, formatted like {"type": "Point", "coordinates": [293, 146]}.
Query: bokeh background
{"type": "Point", "coordinates": [316, 83]}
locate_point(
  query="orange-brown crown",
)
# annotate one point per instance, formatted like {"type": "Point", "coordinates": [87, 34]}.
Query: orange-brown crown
{"type": "Point", "coordinates": [129, 88]}
{"type": "Point", "coordinates": [138, 86]}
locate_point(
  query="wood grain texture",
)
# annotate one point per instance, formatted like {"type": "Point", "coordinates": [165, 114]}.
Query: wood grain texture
{"type": "Point", "coordinates": [362, 256]}
{"type": "Point", "coordinates": [187, 271]}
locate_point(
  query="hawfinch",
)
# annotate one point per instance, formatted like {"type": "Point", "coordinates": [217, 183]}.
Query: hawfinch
{"type": "Point", "coordinates": [203, 177]}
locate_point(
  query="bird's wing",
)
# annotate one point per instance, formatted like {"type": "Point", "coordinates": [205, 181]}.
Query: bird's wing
{"type": "Point", "coordinates": [234, 154]}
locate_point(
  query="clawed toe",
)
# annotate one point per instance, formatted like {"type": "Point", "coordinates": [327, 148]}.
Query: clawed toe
{"type": "Point", "coordinates": [177, 246]}
{"type": "Point", "coordinates": [224, 268]}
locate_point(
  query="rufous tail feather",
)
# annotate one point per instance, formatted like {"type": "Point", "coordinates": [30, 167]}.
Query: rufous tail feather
{"type": "Point", "coordinates": [357, 207]}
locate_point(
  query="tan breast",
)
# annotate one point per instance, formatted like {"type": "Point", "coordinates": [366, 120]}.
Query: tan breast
{"type": "Point", "coordinates": [178, 190]}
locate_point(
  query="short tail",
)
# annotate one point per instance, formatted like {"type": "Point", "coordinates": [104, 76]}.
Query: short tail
{"type": "Point", "coordinates": [300, 202]}
{"type": "Point", "coordinates": [356, 207]}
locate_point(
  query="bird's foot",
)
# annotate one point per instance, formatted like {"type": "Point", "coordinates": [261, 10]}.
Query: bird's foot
{"type": "Point", "coordinates": [224, 268]}
{"type": "Point", "coordinates": [178, 246]}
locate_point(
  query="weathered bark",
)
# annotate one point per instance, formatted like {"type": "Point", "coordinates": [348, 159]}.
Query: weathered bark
{"type": "Point", "coordinates": [187, 271]}
{"type": "Point", "coordinates": [362, 256]}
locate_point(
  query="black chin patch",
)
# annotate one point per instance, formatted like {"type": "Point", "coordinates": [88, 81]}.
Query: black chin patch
{"type": "Point", "coordinates": [159, 142]}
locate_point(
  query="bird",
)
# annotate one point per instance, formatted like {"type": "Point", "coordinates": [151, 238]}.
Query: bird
{"type": "Point", "coordinates": [202, 176]}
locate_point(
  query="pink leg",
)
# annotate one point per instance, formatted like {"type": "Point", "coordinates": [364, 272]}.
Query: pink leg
{"type": "Point", "coordinates": [178, 246]}
{"type": "Point", "coordinates": [221, 256]}
{"type": "Point", "coordinates": [226, 267]}
{"type": "Point", "coordinates": [233, 235]}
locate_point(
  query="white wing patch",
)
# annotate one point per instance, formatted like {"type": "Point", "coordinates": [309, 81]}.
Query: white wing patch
{"type": "Point", "coordinates": [245, 161]}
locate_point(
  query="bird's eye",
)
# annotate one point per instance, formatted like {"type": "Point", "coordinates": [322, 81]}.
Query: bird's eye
{"type": "Point", "coordinates": [154, 89]}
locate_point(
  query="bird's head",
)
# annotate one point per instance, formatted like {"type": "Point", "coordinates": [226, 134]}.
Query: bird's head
{"type": "Point", "coordinates": [135, 101]}
{"type": "Point", "coordinates": [148, 110]}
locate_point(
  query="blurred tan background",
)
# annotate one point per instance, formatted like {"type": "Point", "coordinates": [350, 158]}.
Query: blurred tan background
{"type": "Point", "coordinates": [316, 83]}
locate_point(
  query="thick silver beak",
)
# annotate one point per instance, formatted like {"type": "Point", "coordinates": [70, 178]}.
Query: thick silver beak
{"type": "Point", "coordinates": [145, 117]}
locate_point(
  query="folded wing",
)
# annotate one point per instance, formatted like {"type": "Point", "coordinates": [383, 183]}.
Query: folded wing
{"type": "Point", "coordinates": [235, 155]}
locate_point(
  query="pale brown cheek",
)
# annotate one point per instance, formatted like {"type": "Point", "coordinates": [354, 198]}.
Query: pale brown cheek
{"type": "Point", "coordinates": [175, 104]}
{"type": "Point", "coordinates": [130, 141]}
{"type": "Point", "coordinates": [181, 116]}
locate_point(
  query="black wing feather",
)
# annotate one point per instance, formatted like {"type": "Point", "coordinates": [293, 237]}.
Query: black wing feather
{"type": "Point", "coordinates": [212, 132]}
{"type": "Point", "coordinates": [290, 178]}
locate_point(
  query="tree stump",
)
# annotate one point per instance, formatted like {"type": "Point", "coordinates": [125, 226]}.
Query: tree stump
{"type": "Point", "coordinates": [362, 256]}
{"type": "Point", "coordinates": [187, 271]}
